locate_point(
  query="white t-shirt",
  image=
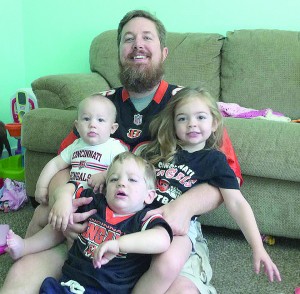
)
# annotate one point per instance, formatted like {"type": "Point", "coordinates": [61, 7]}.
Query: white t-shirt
{"type": "Point", "coordinates": [87, 160]}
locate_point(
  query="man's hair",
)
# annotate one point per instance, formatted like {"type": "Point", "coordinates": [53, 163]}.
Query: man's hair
{"type": "Point", "coordinates": [161, 31]}
{"type": "Point", "coordinates": [149, 173]}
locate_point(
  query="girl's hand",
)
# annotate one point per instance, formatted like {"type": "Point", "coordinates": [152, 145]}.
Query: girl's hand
{"type": "Point", "coordinates": [261, 256]}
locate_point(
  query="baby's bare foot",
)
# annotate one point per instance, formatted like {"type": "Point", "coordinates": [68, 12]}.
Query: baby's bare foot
{"type": "Point", "coordinates": [15, 245]}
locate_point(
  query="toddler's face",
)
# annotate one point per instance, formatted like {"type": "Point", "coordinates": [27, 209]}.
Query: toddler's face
{"type": "Point", "coordinates": [126, 189]}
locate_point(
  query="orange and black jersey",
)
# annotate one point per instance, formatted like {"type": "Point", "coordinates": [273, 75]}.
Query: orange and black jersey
{"type": "Point", "coordinates": [122, 272]}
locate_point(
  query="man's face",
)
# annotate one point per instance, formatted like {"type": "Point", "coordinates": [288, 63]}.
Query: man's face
{"type": "Point", "coordinates": [140, 55]}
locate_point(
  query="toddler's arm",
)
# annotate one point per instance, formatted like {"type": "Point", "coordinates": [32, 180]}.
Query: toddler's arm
{"type": "Point", "coordinates": [138, 242]}
{"type": "Point", "coordinates": [242, 213]}
{"type": "Point", "coordinates": [61, 213]}
{"type": "Point", "coordinates": [51, 168]}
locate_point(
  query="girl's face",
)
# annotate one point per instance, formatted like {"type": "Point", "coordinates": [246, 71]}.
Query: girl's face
{"type": "Point", "coordinates": [193, 123]}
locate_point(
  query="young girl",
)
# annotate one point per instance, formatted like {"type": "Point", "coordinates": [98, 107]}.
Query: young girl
{"type": "Point", "coordinates": [186, 137]}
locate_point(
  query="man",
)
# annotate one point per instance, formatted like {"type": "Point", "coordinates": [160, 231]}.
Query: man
{"type": "Point", "coordinates": [142, 51]}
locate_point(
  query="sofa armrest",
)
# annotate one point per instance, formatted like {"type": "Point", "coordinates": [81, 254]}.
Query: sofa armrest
{"type": "Point", "coordinates": [67, 90]}
{"type": "Point", "coordinates": [43, 129]}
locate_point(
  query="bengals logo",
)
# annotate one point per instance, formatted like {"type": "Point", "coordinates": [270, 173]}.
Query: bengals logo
{"type": "Point", "coordinates": [134, 133]}
{"type": "Point", "coordinates": [82, 164]}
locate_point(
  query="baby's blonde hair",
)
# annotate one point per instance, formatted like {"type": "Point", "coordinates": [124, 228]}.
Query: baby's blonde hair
{"type": "Point", "coordinates": [98, 96]}
{"type": "Point", "coordinates": [164, 142]}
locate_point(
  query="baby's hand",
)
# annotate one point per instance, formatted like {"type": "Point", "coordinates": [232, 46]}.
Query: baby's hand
{"type": "Point", "coordinates": [270, 268]}
{"type": "Point", "coordinates": [97, 181]}
{"type": "Point", "coordinates": [41, 195]}
{"type": "Point", "coordinates": [60, 214]}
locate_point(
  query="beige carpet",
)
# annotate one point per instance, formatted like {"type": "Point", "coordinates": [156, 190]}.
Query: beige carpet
{"type": "Point", "coordinates": [230, 259]}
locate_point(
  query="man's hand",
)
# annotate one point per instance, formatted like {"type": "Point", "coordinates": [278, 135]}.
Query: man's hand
{"type": "Point", "coordinates": [177, 217]}
{"type": "Point", "coordinates": [76, 228]}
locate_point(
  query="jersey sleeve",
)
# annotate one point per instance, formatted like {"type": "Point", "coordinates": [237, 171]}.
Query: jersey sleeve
{"type": "Point", "coordinates": [80, 192]}
{"type": "Point", "coordinates": [157, 220]}
{"type": "Point", "coordinates": [231, 157]}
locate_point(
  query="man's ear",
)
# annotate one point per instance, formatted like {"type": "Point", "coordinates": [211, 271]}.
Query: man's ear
{"type": "Point", "coordinates": [114, 127]}
{"type": "Point", "coordinates": [165, 52]}
{"type": "Point", "coordinates": [150, 197]}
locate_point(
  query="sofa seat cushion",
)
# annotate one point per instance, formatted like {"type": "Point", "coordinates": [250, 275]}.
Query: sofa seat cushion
{"type": "Point", "coordinates": [267, 149]}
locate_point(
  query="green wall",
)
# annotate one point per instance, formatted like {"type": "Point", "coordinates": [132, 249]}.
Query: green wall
{"type": "Point", "coordinates": [53, 37]}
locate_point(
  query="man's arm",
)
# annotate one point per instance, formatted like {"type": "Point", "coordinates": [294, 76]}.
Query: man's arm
{"type": "Point", "coordinates": [196, 201]}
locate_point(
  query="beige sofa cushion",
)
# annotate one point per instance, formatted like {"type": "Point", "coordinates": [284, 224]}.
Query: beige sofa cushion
{"type": "Point", "coordinates": [261, 69]}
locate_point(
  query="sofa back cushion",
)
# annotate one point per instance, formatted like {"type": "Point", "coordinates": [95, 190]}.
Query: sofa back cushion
{"type": "Point", "coordinates": [193, 58]}
{"type": "Point", "coordinates": [261, 69]}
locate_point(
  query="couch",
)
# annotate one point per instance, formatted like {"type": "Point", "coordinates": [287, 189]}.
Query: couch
{"type": "Point", "coordinates": [255, 69]}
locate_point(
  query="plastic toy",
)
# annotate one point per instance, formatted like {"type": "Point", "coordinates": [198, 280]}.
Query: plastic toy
{"type": "Point", "coordinates": [270, 240]}
{"type": "Point", "coordinates": [12, 168]}
{"type": "Point", "coordinates": [14, 130]}
{"type": "Point", "coordinates": [23, 101]}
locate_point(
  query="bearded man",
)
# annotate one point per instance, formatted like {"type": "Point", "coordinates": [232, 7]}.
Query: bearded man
{"type": "Point", "coordinates": [142, 52]}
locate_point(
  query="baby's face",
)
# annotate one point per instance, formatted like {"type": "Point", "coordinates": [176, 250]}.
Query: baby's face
{"type": "Point", "coordinates": [126, 189]}
{"type": "Point", "coordinates": [95, 121]}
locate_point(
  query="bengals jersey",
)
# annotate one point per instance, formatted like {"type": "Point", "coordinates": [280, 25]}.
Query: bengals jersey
{"type": "Point", "coordinates": [133, 128]}
{"type": "Point", "coordinates": [122, 272]}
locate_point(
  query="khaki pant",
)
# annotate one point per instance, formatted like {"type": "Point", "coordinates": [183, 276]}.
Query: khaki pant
{"type": "Point", "coordinates": [197, 268]}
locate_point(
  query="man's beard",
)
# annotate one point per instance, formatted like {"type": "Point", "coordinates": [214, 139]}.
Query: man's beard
{"type": "Point", "coordinates": [140, 78]}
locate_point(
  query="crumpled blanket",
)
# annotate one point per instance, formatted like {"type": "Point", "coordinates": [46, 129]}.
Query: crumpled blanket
{"type": "Point", "coordinates": [237, 111]}
{"type": "Point", "coordinates": [12, 195]}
